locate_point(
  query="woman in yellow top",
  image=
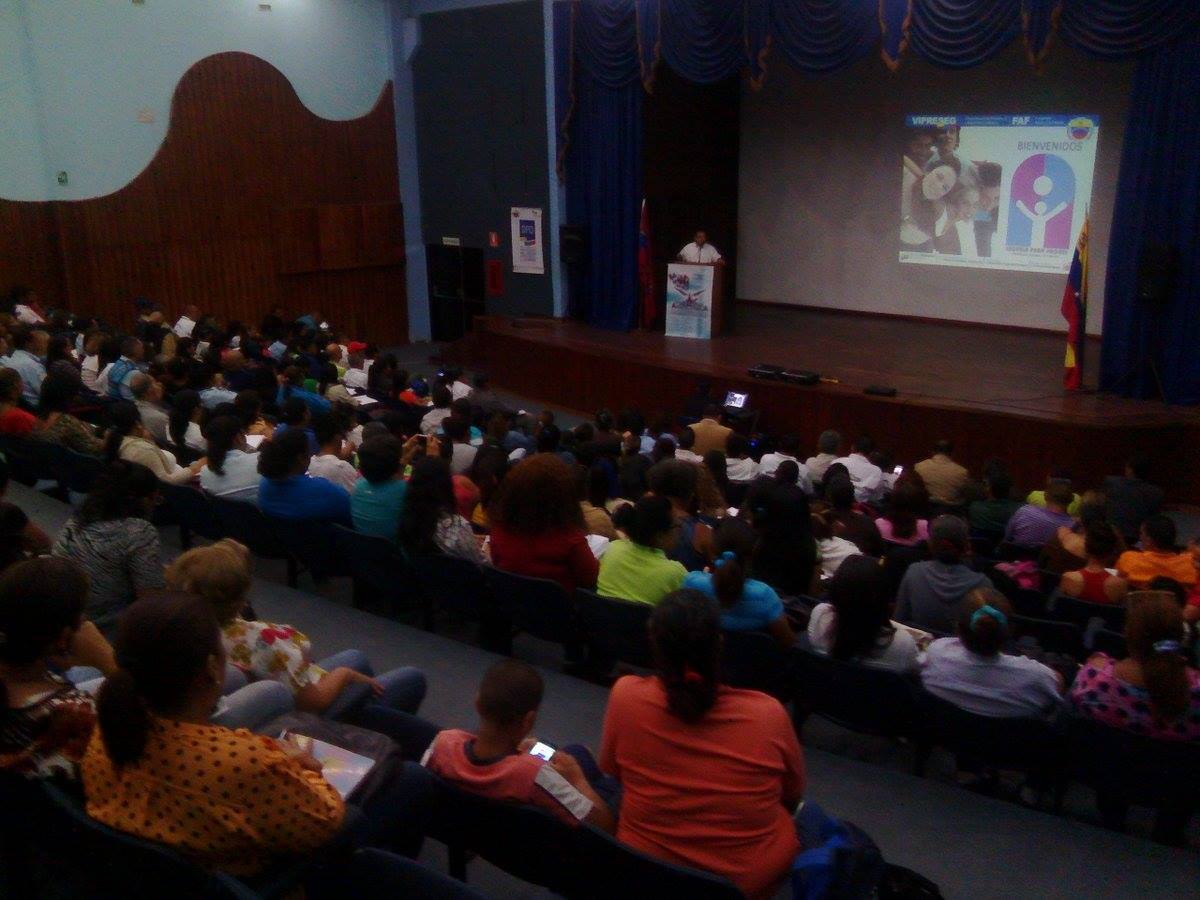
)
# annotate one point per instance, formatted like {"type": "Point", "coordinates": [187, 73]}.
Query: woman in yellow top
{"type": "Point", "coordinates": [129, 440]}
{"type": "Point", "coordinates": [637, 568]}
{"type": "Point", "coordinates": [158, 769]}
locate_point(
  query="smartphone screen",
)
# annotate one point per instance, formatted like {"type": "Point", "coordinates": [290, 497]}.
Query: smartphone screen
{"type": "Point", "coordinates": [899, 470]}
{"type": "Point", "coordinates": [545, 751]}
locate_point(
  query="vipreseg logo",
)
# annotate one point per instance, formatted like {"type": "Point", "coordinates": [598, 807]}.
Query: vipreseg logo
{"type": "Point", "coordinates": [1041, 204]}
{"type": "Point", "coordinates": [1080, 128]}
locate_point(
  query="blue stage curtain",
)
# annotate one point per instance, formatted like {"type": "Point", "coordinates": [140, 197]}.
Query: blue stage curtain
{"type": "Point", "coordinates": [963, 33]}
{"type": "Point", "coordinates": [604, 184]}
{"type": "Point", "coordinates": [1158, 199]}
{"type": "Point", "coordinates": [1116, 29]}
{"type": "Point", "coordinates": [702, 40]}
{"type": "Point", "coordinates": [823, 35]}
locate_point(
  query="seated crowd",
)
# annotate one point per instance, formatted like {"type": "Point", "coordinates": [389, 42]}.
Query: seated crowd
{"type": "Point", "coordinates": [112, 665]}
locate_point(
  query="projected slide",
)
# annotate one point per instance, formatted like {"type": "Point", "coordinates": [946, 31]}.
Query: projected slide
{"type": "Point", "coordinates": [995, 192]}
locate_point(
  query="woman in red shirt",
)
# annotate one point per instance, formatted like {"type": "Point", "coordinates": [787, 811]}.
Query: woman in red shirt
{"type": "Point", "coordinates": [537, 525]}
{"type": "Point", "coordinates": [13, 419]}
{"type": "Point", "coordinates": [710, 775]}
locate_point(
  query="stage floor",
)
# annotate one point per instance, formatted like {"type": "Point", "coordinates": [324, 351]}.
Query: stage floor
{"type": "Point", "coordinates": [950, 378]}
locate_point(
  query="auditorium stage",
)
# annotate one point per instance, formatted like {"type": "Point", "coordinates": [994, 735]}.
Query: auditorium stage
{"type": "Point", "coordinates": [995, 391]}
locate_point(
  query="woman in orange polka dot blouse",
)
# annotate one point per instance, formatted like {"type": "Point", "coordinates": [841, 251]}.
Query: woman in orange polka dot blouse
{"type": "Point", "coordinates": [156, 768]}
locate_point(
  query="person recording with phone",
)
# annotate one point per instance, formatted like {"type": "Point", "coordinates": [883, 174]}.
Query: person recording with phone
{"type": "Point", "coordinates": [502, 762]}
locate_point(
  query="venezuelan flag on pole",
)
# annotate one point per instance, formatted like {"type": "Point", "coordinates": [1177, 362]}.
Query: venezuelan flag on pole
{"type": "Point", "coordinates": [1074, 310]}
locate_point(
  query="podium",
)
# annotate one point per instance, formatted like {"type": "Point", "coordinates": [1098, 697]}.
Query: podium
{"type": "Point", "coordinates": [695, 304]}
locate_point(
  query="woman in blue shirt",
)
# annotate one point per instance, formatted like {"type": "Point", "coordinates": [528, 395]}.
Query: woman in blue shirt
{"type": "Point", "coordinates": [746, 604]}
{"type": "Point", "coordinates": [377, 501]}
{"type": "Point", "coordinates": [287, 491]}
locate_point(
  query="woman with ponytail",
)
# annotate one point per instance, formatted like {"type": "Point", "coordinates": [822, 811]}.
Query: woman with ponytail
{"type": "Point", "coordinates": [128, 439]}
{"type": "Point", "coordinates": [971, 672]}
{"type": "Point", "coordinates": [636, 567]}
{"type": "Point", "coordinates": [1152, 692]}
{"type": "Point", "coordinates": [158, 769]}
{"type": "Point", "coordinates": [231, 469]}
{"type": "Point", "coordinates": [45, 721]}
{"type": "Point", "coordinates": [746, 603]}
{"type": "Point", "coordinates": [709, 773]}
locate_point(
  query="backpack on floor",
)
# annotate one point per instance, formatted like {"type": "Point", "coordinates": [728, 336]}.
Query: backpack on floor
{"type": "Point", "coordinates": [839, 860]}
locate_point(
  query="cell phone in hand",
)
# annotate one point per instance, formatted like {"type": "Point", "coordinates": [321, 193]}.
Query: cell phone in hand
{"type": "Point", "coordinates": [545, 751]}
{"type": "Point", "coordinates": [899, 470]}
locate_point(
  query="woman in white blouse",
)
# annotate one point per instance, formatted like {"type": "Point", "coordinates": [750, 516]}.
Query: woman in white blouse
{"type": "Point", "coordinates": [856, 622]}
{"type": "Point", "coordinates": [231, 470]}
{"type": "Point", "coordinates": [128, 439]}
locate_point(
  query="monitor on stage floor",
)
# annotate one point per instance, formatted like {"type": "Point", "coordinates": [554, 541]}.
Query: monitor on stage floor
{"type": "Point", "coordinates": [736, 400]}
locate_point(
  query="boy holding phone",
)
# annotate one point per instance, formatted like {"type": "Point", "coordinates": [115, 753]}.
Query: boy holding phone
{"type": "Point", "coordinates": [501, 762]}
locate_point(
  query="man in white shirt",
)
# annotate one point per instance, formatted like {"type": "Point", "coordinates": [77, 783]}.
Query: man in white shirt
{"type": "Point", "coordinates": [329, 463]}
{"type": "Point", "coordinates": [684, 451]}
{"type": "Point", "coordinates": [462, 454]}
{"type": "Point", "coordinates": [864, 474]}
{"type": "Point", "coordinates": [739, 467]}
{"type": "Point", "coordinates": [431, 422]}
{"type": "Point", "coordinates": [789, 446]}
{"type": "Point", "coordinates": [829, 448]}
{"type": "Point", "coordinates": [356, 373]}
{"type": "Point", "coordinates": [700, 251]}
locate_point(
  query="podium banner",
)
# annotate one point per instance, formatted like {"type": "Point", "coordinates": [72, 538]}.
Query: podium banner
{"type": "Point", "coordinates": [689, 300]}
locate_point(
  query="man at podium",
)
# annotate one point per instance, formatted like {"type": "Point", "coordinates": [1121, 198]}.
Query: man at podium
{"type": "Point", "coordinates": [700, 251]}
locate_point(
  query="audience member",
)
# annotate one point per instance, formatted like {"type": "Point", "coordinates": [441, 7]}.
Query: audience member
{"type": "Point", "coordinates": [636, 567]}
{"type": "Point", "coordinates": [1033, 525]}
{"type": "Point", "coordinates": [786, 557]}
{"type": "Point", "coordinates": [855, 624]}
{"type": "Point", "coordinates": [19, 537]}
{"type": "Point", "coordinates": [291, 387]}
{"type": "Point", "coordinates": [29, 349]}
{"type": "Point", "coordinates": [1132, 498]}
{"type": "Point", "coordinates": [1095, 582]}
{"type": "Point", "coordinates": [709, 433]}
{"type": "Point", "coordinates": [111, 539]}
{"type": "Point", "coordinates": [709, 773]}
{"type": "Point", "coordinates": [971, 672]}
{"type": "Point", "coordinates": [679, 481]}
{"type": "Point", "coordinates": [287, 491]}
{"type": "Point", "coordinates": [945, 479]}
{"type": "Point", "coordinates": [832, 549]}
{"type": "Point", "coordinates": [184, 424]}
{"type": "Point", "coordinates": [431, 422]}
{"type": "Point", "coordinates": [787, 450]}
{"type": "Point", "coordinates": [230, 468]}
{"type": "Point", "coordinates": [128, 364]}
{"type": "Point", "coordinates": [848, 522]}
{"type": "Point", "coordinates": [458, 435]}
{"type": "Point", "coordinates": [429, 521]}
{"type": "Point", "coordinates": [1158, 556]}
{"type": "Point", "coordinates": [829, 448]}
{"type": "Point", "coordinates": [329, 462]}
{"type": "Point", "coordinates": [989, 517]}
{"type": "Point", "coordinates": [147, 397]}
{"type": "Point", "coordinates": [932, 591]}
{"type": "Point", "coordinates": [1061, 478]}
{"type": "Point", "coordinates": [866, 477]}
{"type": "Point", "coordinates": [496, 762]}
{"type": "Point", "coordinates": [1064, 552]}
{"type": "Point", "coordinates": [58, 426]}
{"type": "Point", "coordinates": [221, 574]}
{"type": "Point", "coordinates": [156, 768]}
{"type": "Point", "coordinates": [593, 501]}
{"type": "Point", "coordinates": [45, 721]}
{"type": "Point", "coordinates": [686, 450]}
{"type": "Point", "coordinates": [377, 501]}
{"type": "Point", "coordinates": [13, 420]}
{"type": "Point", "coordinates": [746, 603]}
{"type": "Point", "coordinates": [739, 467]}
{"type": "Point", "coordinates": [128, 440]}
{"type": "Point", "coordinates": [537, 525]}
{"type": "Point", "coordinates": [902, 523]}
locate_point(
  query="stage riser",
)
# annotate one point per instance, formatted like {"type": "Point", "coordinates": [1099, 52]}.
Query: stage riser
{"type": "Point", "coordinates": [585, 378]}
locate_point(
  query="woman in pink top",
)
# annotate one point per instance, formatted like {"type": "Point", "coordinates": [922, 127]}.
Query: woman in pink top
{"type": "Point", "coordinates": [901, 525]}
{"type": "Point", "coordinates": [710, 774]}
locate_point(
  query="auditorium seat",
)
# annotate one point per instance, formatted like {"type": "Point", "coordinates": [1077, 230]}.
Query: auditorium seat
{"type": "Point", "coordinates": [450, 584]}
{"type": "Point", "coordinates": [536, 606]}
{"type": "Point", "coordinates": [377, 873]}
{"type": "Point", "coordinates": [192, 511]}
{"type": "Point", "coordinates": [379, 572]}
{"type": "Point", "coordinates": [861, 698]}
{"type": "Point", "coordinates": [1105, 640]}
{"type": "Point", "coordinates": [617, 870]}
{"type": "Point", "coordinates": [1034, 746]}
{"type": "Point", "coordinates": [26, 459]}
{"type": "Point", "coordinates": [1049, 634]}
{"type": "Point", "coordinates": [615, 629]}
{"type": "Point", "coordinates": [246, 523]}
{"type": "Point", "coordinates": [310, 544]}
{"type": "Point", "coordinates": [114, 864]}
{"type": "Point", "coordinates": [1081, 612]}
{"type": "Point", "coordinates": [754, 659]}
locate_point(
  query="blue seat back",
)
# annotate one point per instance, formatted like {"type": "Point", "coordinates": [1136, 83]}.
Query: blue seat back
{"type": "Point", "coordinates": [1081, 612]}
{"type": "Point", "coordinates": [1138, 769]}
{"type": "Point", "coordinates": [246, 523]}
{"type": "Point", "coordinates": [453, 584]}
{"type": "Point", "coordinates": [861, 698]}
{"type": "Point", "coordinates": [615, 629]}
{"type": "Point", "coordinates": [1025, 744]}
{"type": "Point", "coordinates": [615, 870]}
{"type": "Point", "coordinates": [755, 660]}
{"type": "Point", "coordinates": [537, 606]}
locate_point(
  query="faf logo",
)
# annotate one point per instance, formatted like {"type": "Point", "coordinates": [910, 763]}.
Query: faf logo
{"type": "Point", "coordinates": [1080, 128]}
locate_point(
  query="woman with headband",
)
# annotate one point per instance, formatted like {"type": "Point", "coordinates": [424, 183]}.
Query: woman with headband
{"type": "Point", "coordinates": [971, 672]}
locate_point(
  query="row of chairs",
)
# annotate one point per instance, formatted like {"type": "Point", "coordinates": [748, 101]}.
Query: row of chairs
{"type": "Point", "coordinates": [1136, 769]}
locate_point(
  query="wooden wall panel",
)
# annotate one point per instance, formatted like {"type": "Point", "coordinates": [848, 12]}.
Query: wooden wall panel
{"type": "Point", "coordinates": [213, 219]}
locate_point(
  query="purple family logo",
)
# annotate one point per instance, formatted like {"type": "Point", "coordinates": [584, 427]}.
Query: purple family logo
{"type": "Point", "coordinates": [1041, 204]}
